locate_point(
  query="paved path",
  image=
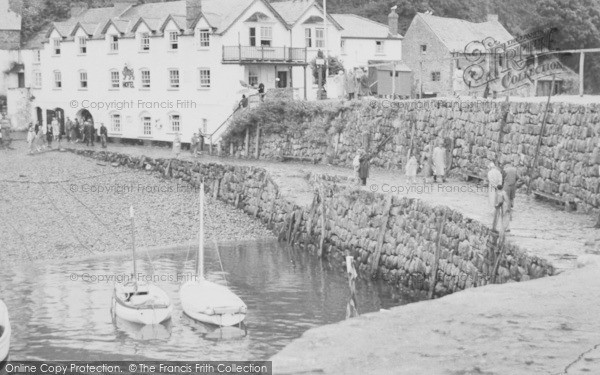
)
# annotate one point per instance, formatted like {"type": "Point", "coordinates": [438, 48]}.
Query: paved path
{"type": "Point", "coordinates": [542, 228]}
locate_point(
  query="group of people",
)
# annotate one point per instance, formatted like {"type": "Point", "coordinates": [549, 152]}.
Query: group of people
{"type": "Point", "coordinates": [432, 164]}
{"type": "Point", "coordinates": [196, 143]}
{"type": "Point", "coordinates": [40, 137]}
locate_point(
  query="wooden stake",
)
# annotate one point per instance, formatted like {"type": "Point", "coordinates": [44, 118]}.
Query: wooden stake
{"type": "Point", "coordinates": [247, 145]}
{"type": "Point", "coordinates": [351, 310]}
{"type": "Point", "coordinates": [256, 150]}
{"type": "Point", "coordinates": [437, 256]}
{"type": "Point", "coordinates": [323, 227]}
{"type": "Point", "coordinates": [581, 71]}
{"type": "Point", "coordinates": [539, 144]}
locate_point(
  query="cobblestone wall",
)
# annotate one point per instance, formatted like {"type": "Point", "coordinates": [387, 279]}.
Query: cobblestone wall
{"type": "Point", "coordinates": [569, 156]}
{"type": "Point", "coordinates": [399, 235]}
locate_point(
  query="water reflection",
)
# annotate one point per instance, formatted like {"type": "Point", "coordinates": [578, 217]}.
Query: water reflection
{"type": "Point", "coordinates": [287, 292]}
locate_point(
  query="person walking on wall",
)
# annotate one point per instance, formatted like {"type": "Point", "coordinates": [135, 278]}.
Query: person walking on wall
{"type": "Point", "coordinates": [363, 170]}
{"type": "Point", "coordinates": [356, 166]}
{"type": "Point", "coordinates": [411, 169]}
{"type": "Point", "coordinates": [439, 162]}
{"type": "Point", "coordinates": [494, 180]}
{"type": "Point", "coordinates": [103, 135]}
{"type": "Point", "coordinates": [502, 213]}
{"type": "Point", "coordinates": [244, 102]}
{"type": "Point", "coordinates": [510, 182]}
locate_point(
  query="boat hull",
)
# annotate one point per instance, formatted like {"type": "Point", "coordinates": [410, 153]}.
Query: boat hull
{"type": "Point", "coordinates": [211, 303]}
{"type": "Point", "coordinates": [149, 314]}
{"type": "Point", "coordinates": [5, 334]}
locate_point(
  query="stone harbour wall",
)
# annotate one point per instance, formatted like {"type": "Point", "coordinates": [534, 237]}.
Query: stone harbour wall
{"type": "Point", "coordinates": [400, 236]}
{"type": "Point", "coordinates": [475, 134]}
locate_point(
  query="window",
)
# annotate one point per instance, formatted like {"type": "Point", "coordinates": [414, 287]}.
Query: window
{"type": "Point", "coordinates": [252, 78]}
{"type": "Point", "coordinates": [115, 122]}
{"type": "Point", "coordinates": [253, 36]}
{"type": "Point", "coordinates": [319, 38]}
{"type": "Point", "coordinates": [435, 76]}
{"type": "Point", "coordinates": [145, 42]}
{"type": "Point", "coordinates": [37, 78]}
{"type": "Point", "coordinates": [83, 80]}
{"type": "Point", "coordinates": [204, 38]}
{"type": "Point", "coordinates": [145, 78]}
{"type": "Point", "coordinates": [379, 47]}
{"type": "Point", "coordinates": [266, 35]}
{"type": "Point", "coordinates": [114, 79]}
{"type": "Point", "coordinates": [114, 43]}
{"type": "Point", "coordinates": [82, 45]}
{"type": "Point", "coordinates": [37, 56]}
{"type": "Point", "coordinates": [147, 125]}
{"type": "Point", "coordinates": [343, 46]}
{"type": "Point", "coordinates": [56, 49]}
{"type": "Point", "coordinates": [21, 80]}
{"type": "Point", "coordinates": [423, 48]}
{"type": "Point", "coordinates": [57, 79]}
{"type": "Point", "coordinates": [173, 40]}
{"type": "Point", "coordinates": [204, 78]}
{"type": "Point", "coordinates": [175, 122]}
{"type": "Point", "coordinates": [308, 37]}
{"type": "Point", "coordinates": [174, 78]}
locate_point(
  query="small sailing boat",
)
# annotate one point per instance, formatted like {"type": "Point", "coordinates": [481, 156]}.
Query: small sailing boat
{"type": "Point", "coordinates": [206, 301]}
{"type": "Point", "coordinates": [140, 302]}
{"type": "Point", "coordinates": [4, 334]}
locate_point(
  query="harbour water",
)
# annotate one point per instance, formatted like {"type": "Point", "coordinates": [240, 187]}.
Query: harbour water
{"type": "Point", "coordinates": [60, 310]}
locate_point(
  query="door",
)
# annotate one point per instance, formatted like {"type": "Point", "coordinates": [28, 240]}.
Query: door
{"type": "Point", "coordinates": [282, 76]}
{"type": "Point", "coordinates": [21, 77]}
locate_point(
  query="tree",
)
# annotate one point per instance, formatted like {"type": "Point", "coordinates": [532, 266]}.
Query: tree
{"type": "Point", "coordinates": [335, 66]}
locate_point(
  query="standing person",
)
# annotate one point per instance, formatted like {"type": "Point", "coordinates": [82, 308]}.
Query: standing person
{"type": "Point", "coordinates": [494, 179]}
{"type": "Point", "coordinates": [56, 131]}
{"type": "Point", "coordinates": [244, 102]}
{"type": "Point", "coordinates": [502, 208]}
{"type": "Point", "coordinates": [93, 134]}
{"type": "Point", "coordinates": [86, 133]}
{"type": "Point", "coordinates": [194, 145]}
{"type": "Point", "coordinates": [31, 138]}
{"type": "Point", "coordinates": [38, 137]}
{"type": "Point", "coordinates": [350, 85]}
{"type": "Point", "coordinates": [49, 135]}
{"type": "Point", "coordinates": [68, 128]}
{"type": "Point", "coordinates": [510, 182]}
{"type": "Point", "coordinates": [261, 91]}
{"type": "Point", "coordinates": [411, 169]}
{"type": "Point", "coordinates": [78, 131]}
{"type": "Point", "coordinates": [103, 135]}
{"type": "Point", "coordinates": [439, 162]}
{"type": "Point", "coordinates": [363, 171]}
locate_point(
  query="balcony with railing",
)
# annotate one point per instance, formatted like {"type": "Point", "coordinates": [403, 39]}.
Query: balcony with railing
{"type": "Point", "coordinates": [265, 55]}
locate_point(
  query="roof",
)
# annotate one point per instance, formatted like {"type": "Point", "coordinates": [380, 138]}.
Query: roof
{"type": "Point", "coordinates": [292, 10]}
{"type": "Point", "coordinates": [9, 20]}
{"type": "Point", "coordinates": [360, 27]}
{"type": "Point", "coordinates": [35, 42]}
{"type": "Point", "coordinates": [400, 67]}
{"type": "Point", "coordinates": [456, 34]}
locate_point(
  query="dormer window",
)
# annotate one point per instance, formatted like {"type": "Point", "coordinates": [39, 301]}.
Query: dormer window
{"type": "Point", "coordinates": [82, 45]}
{"type": "Point", "coordinates": [204, 38]}
{"type": "Point", "coordinates": [56, 47]}
{"type": "Point", "coordinates": [319, 38]}
{"type": "Point", "coordinates": [308, 37]}
{"type": "Point", "coordinates": [114, 43]}
{"type": "Point", "coordinates": [145, 42]}
{"type": "Point", "coordinates": [173, 40]}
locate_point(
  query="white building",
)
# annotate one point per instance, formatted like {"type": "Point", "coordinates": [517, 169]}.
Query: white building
{"type": "Point", "coordinates": [367, 42]}
{"type": "Point", "coordinates": [149, 71]}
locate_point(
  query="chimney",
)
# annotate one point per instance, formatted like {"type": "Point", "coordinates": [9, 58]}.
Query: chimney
{"type": "Point", "coordinates": [393, 21]}
{"type": "Point", "coordinates": [192, 10]}
{"type": "Point", "coordinates": [78, 8]}
{"type": "Point", "coordinates": [492, 17]}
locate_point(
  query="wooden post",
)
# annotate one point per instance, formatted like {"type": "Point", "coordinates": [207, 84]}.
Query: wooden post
{"type": "Point", "coordinates": [351, 310]}
{"type": "Point", "coordinates": [393, 80]}
{"type": "Point", "coordinates": [535, 81]}
{"type": "Point", "coordinates": [323, 226]}
{"type": "Point", "coordinates": [539, 144]}
{"type": "Point", "coordinates": [505, 110]}
{"type": "Point", "coordinates": [247, 145]}
{"type": "Point", "coordinates": [581, 71]}
{"type": "Point", "coordinates": [381, 237]}
{"type": "Point", "coordinates": [421, 79]}
{"type": "Point", "coordinates": [436, 261]}
{"type": "Point", "coordinates": [256, 150]}
{"type": "Point", "coordinates": [210, 145]}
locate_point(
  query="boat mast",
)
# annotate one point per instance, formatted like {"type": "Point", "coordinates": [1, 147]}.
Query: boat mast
{"type": "Point", "coordinates": [200, 263]}
{"type": "Point", "coordinates": [133, 243]}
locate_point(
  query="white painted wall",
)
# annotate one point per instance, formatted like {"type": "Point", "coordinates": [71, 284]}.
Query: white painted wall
{"type": "Point", "coordinates": [357, 52]}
